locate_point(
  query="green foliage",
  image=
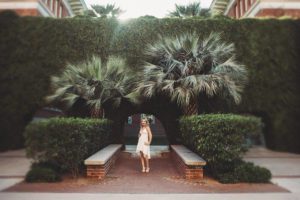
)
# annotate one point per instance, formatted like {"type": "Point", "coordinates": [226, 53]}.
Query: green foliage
{"type": "Point", "coordinates": [246, 172]}
{"type": "Point", "coordinates": [190, 10]}
{"type": "Point", "coordinates": [32, 50]}
{"type": "Point", "coordinates": [66, 141]}
{"type": "Point", "coordinates": [272, 62]}
{"type": "Point", "coordinates": [185, 66]}
{"type": "Point", "coordinates": [219, 139]}
{"type": "Point", "coordinates": [35, 48]}
{"type": "Point", "coordinates": [109, 10]}
{"type": "Point", "coordinates": [42, 173]}
{"type": "Point", "coordinates": [94, 82]}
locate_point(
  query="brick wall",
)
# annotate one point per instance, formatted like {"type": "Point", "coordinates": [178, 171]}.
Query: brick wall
{"type": "Point", "coordinates": [100, 171]}
{"type": "Point", "coordinates": [188, 172]}
{"type": "Point", "coordinates": [279, 13]}
{"type": "Point", "coordinates": [26, 12]}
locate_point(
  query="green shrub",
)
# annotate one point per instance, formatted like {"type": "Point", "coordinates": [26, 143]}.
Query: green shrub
{"type": "Point", "coordinates": [66, 141]}
{"type": "Point", "coordinates": [31, 50]}
{"type": "Point", "coordinates": [246, 172]}
{"type": "Point", "coordinates": [40, 173]}
{"type": "Point", "coordinates": [220, 140]}
{"type": "Point", "coordinates": [272, 92]}
{"type": "Point", "coordinates": [34, 48]}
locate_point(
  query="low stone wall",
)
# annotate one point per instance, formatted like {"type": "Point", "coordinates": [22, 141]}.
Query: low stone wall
{"type": "Point", "coordinates": [100, 171]}
{"type": "Point", "coordinates": [188, 171]}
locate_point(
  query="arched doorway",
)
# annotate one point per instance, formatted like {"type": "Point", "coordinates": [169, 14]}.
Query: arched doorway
{"type": "Point", "coordinates": [132, 126]}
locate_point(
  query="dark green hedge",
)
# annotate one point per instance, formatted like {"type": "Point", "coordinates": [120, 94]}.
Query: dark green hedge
{"type": "Point", "coordinates": [220, 140]}
{"type": "Point", "coordinates": [246, 172]}
{"type": "Point", "coordinates": [33, 48]}
{"type": "Point", "coordinates": [66, 142]}
{"type": "Point", "coordinates": [270, 49]}
{"type": "Point", "coordinates": [42, 173]}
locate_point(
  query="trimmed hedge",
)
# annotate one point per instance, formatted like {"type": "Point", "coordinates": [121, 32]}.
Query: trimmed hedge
{"type": "Point", "coordinates": [42, 173]}
{"type": "Point", "coordinates": [246, 172]}
{"type": "Point", "coordinates": [272, 60]}
{"type": "Point", "coordinates": [220, 139]}
{"type": "Point", "coordinates": [66, 142]}
{"type": "Point", "coordinates": [34, 48]}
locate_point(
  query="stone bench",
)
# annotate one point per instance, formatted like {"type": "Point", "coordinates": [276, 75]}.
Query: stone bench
{"type": "Point", "coordinates": [188, 163]}
{"type": "Point", "coordinates": [102, 161]}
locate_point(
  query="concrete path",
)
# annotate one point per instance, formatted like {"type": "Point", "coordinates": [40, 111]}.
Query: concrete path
{"type": "Point", "coordinates": [107, 196]}
{"type": "Point", "coordinates": [281, 164]}
{"type": "Point", "coordinates": [285, 167]}
{"type": "Point", "coordinates": [13, 168]}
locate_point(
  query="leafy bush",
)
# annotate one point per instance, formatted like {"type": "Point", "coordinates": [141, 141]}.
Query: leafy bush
{"type": "Point", "coordinates": [220, 140]}
{"type": "Point", "coordinates": [272, 91]}
{"type": "Point", "coordinates": [246, 172]}
{"type": "Point", "coordinates": [66, 141]}
{"type": "Point", "coordinates": [26, 65]}
{"type": "Point", "coordinates": [42, 173]}
{"type": "Point", "coordinates": [34, 48]}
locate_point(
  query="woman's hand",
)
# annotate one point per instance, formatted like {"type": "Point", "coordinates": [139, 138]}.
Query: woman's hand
{"type": "Point", "coordinates": [146, 143]}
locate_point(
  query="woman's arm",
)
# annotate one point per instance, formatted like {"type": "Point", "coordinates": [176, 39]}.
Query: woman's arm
{"type": "Point", "coordinates": [149, 135]}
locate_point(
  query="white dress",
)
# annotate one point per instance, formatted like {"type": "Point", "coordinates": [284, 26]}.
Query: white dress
{"type": "Point", "coordinates": [141, 146]}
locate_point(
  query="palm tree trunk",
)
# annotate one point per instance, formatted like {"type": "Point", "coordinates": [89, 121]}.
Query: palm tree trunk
{"type": "Point", "coordinates": [97, 113]}
{"type": "Point", "coordinates": [192, 108]}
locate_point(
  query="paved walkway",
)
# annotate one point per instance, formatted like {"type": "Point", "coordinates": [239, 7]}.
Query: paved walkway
{"type": "Point", "coordinates": [13, 168]}
{"type": "Point", "coordinates": [126, 177]}
{"type": "Point", "coordinates": [284, 166]}
{"type": "Point", "coordinates": [82, 196]}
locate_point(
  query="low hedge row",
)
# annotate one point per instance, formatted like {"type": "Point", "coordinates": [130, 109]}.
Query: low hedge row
{"type": "Point", "coordinates": [221, 140]}
{"type": "Point", "coordinates": [246, 172]}
{"type": "Point", "coordinates": [66, 142]}
{"type": "Point", "coordinates": [42, 172]}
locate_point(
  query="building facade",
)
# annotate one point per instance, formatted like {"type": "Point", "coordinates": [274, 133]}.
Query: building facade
{"type": "Point", "coordinates": [45, 8]}
{"type": "Point", "coordinates": [256, 8]}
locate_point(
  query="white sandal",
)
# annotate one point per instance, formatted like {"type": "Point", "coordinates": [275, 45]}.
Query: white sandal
{"type": "Point", "coordinates": [147, 170]}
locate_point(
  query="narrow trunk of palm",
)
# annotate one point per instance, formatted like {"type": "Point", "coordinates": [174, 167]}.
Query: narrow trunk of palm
{"type": "Point", "coordinates": [97, 113]}
{"type": "Point", "coordinates": [191, 109]}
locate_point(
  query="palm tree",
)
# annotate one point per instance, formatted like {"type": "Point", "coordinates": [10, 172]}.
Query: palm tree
{"type": "Point", "coordinates": [185, 66]}
{"type": "Point", "coordinates": [191, 10]}
{"type": "Point", "coordinates": [93, 81]}
{"type": "Point", "coordinates": [107, 11]}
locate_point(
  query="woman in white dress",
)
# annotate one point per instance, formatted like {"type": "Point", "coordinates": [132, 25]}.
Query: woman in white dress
{"type": "Point", "coordinates": [143, 146]}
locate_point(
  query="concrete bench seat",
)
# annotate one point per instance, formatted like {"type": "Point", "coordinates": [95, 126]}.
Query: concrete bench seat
{"type": "Point", "coordinates": [188, 163]}
{"type": "Point", "coordinates": [102, 161]}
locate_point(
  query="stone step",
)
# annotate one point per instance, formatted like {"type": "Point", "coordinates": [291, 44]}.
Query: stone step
{"type": "Point", "coordinates": [155, 150]}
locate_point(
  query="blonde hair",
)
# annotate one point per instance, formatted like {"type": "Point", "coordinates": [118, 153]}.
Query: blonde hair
{"type": "Point", "coordinates": [146, 120]}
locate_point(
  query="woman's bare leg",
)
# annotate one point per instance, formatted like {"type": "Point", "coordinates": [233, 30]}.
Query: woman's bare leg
{"type": "Point", "coordinates": [146, 161]}
{"type": "Point", "coordinates": [142, 159]}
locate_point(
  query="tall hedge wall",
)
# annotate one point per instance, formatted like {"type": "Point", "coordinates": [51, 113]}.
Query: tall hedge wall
{"type": "Point", "coordinates": [270, 48]}
{"type": "Point", "coordinates": [31, 50]}
{"type": "Point", "coordinates": [34, 48]}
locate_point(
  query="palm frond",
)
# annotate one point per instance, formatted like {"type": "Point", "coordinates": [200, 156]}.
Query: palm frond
{"type": "Point", "coordinates": [185, 66]}
{"type": "Point", "coordinates": [93, 81]}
